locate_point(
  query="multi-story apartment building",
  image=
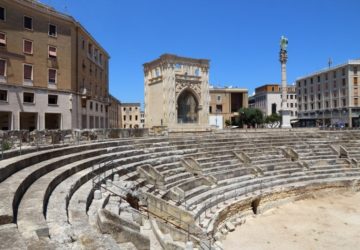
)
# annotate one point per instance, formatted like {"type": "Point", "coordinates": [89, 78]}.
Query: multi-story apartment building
{"type": "Point", "coordinates": [114, 112]}
{"type": "Point", "coordinates": [130, 115]}
{"type": "Point", "coordinates": [330, 96]}
{"type": "Point", "coordinates": [225, 104]}
{"type": "Point", "coordinates": [267, 98]}
{"type": "Point", "coordinates": [53, 74]}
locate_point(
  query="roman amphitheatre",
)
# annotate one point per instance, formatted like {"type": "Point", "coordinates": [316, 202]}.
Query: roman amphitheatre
{"type": "Point", "coordinates": [236, 189]}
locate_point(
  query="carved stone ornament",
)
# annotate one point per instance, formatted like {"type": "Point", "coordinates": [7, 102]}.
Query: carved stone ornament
{"type": "Point", "coordinates": [194, 86]}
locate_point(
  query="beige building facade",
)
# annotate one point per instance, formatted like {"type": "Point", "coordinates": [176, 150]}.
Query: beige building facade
{"type": "Point", "coordinates": [267, 98]}
{"type": "Point", "coordinates": [331, 96]}
{"type": "Point", "coordinates": [226, 102]}
{"type": "Point", "coordinates": [130, 115]}
{"type": "Point", "coordinates": [114, 112]}
{"type": "Point", "coordinates": [177, 93]}
{"type": "Point", "coordinates": [43, 84]}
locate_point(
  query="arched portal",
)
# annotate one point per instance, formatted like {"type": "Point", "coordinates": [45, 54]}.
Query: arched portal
{"type": "Point", "coordinates": [187, 107]}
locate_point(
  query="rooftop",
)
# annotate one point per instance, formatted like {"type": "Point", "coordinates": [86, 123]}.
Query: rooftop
{"type": "Point", "coordinates": [349, 62]}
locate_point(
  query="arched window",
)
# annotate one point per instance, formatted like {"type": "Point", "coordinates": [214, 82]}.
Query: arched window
{"type": "Point", "coordinates": [187, 107]}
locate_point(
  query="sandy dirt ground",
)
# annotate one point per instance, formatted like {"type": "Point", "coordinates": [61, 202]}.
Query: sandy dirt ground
{"type": "Point", "coordinates": [330, 221]}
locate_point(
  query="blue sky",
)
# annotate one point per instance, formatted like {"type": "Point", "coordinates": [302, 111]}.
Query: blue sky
{"type": "Point", "coordinates": [240, 37]}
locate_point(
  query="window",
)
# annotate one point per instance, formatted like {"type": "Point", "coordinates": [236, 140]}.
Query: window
{"type": "Point", "coordinates": [130, 109]}
{"type": "Point", "coordinates": [136, 117]}
{"type": "Point", "coordinates": [124, 117]}
{"type": "Point", "coordinates": [28, 72]}
{"type": "Point", "coordinates": [327, 104]}
{"type": "Point", "coordinates": [91, 105]}
{"type": "Point", "coordinates": [218, 98]}
{"type": "Point", "coordinates": [197, 72]}
{"type": "Point", "coordinates": [334, 74]}
{"type": "Point", "coordinates": [2, 40]}
{"type": "Point", "coordinates": [28, 97]}
{"type": "Point", "coordinates": [355, 69]}
{"type": "Point", "coordinates": [130, 117]}
{"type": "Point", "coordinates": [28, 47]}
{"type": "Point", "coordinates": [52, 99]}
{"type": "Point", "coordinates": [319, 105]}
{"type": "Point", "coordinates": [52, 52]}
{"type": "Point", "coordinates": [210, 109]}
{"type": "Point", "coordinates": [356, 101]}
{"type": "Point", "coordinates": [355, 81]}
{"type": "Point", "coordinates": [3, 95]}
{"type": "Point", "coordinates": [83, 102]}
{"type": "Point", "coordinates": [335, 103]}
{"type": "Point", "coordinates": [52, 76]}
{"type": "Point", "coordinates": [100, 59]}
{"type": "Point", "coordinates": [2, 68]}
{"type": "Point", "coordinates": [96, 107]}
{"type": "Point", "coordinates": [311, 80]}
{"type": "Point", "coordinates": [83, 44]}
{"type": "Point", "coordinates": [28, 24]}
{"type": "Point", "coordinates": [343, 82]}
{"type": "Point", "coordinates": [272, 89]}
{"type": "Point", "coordinates": [318, 78]}
{"type": "Point", "coordinates": [218, 108]}
{"type": "Point", "coordinates": [299, 84]}
{"type": "Point", "coordinates": [343, 102]}
{"type": "Point", "coordinates": [326, 76]}
{"type": "Point", "coordinates": [90, 49]}
{"type": "Point", "coordinates": [2, 13]}
{"type": "Point", "coordinates": [52, 30]}
{"type": "Point", "coordinates": [319, 96]}
{"type": "Point", "coordinates": [101, 108]}
{"type": "Point", "coordinates": [124, 109]}
{"type": "Point", "coordinates": [343, 71]}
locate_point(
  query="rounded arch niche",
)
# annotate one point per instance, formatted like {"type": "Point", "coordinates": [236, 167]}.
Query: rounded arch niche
{"type": "Point", "coordinates": [187, 107]}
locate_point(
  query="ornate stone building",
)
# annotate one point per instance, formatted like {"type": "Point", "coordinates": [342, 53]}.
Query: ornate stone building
{"type": "Point", "coordinates": [177, 93]}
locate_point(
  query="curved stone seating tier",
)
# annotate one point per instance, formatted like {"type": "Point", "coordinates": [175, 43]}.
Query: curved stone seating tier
{"type": "Point", "coordinates": [50, 193]}
{"type": "Point", "coordinates": [12, 165]}
{"type": "Point", "coordinates": [33, 204]}
{"type": "Point", "coordinates": [13, 188]}
{"type": "Point", "coordinates": [208, 218]}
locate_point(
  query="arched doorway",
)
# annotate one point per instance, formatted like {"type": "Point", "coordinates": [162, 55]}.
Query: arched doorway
{"type": "Point", "coordinates": [187, 108]}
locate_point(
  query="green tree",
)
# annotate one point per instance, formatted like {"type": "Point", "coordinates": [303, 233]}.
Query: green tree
{"type": "Point", "coordinates": [250, 117]}
{"type": "Point", "coordinates": [273, 120]}
{"type": "Point", "coordinates": [227, 123]}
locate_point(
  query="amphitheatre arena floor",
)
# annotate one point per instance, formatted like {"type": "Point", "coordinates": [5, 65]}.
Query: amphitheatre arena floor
{"type": "Point", "coordinates": [327, 221]}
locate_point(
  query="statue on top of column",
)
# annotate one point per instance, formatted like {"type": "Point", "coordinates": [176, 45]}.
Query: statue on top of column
{"type": "Point", "coordinates": [283, 43]}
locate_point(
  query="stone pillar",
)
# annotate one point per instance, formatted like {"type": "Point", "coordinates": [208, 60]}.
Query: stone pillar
{"type": "Point", "coordinates": [285, 111]}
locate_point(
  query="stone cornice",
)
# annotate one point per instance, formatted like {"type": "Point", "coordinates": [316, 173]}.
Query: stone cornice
{"type": "Point", "coordinates": [167, 59]}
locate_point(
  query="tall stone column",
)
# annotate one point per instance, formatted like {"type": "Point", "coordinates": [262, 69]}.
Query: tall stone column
{"type": "Point", "coordinates": [285, 111]}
